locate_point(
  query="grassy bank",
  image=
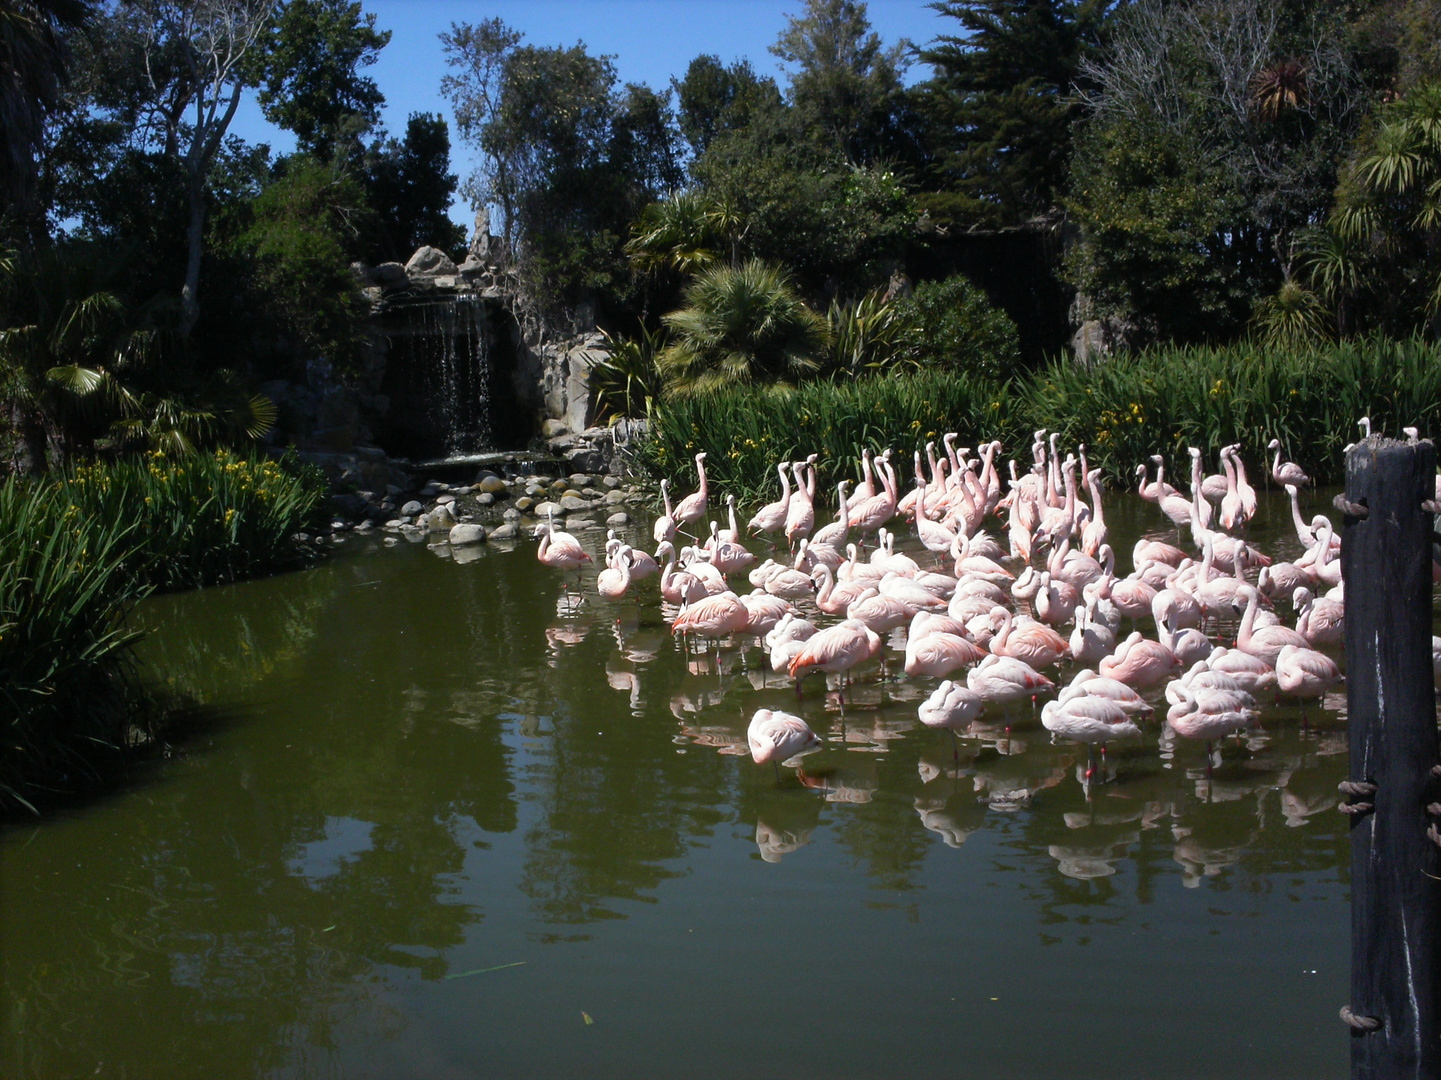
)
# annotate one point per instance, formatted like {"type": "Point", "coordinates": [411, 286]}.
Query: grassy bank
{"type": "Point", "coordinates": [1124, 410]}
{"type": "Point", "coordinates": [77, 552]}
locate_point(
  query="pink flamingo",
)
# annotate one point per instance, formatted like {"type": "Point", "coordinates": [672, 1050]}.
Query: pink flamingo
{"type": "Point", "coordinates": [678, 586]}
{"type": "Point", "coordinates": [1266, 642]}
{"type": "Point", "coordinates": [915, 597]}
{"type": "Point", "coordinates": [765, 612]}
{"type": "Point", "coordinates": [832, 598]}
{"type": "Point", "coordinates": [836, 649]}
{"type": "Point", "coordinates": [1322, 620]}
{"type": "Point", "coordinates": [1247, 492]}
{"type": "Point", "coordinates": [665, 524]}
{"type": "Point", "coordinates": [1254, 674]}
{"type": "Point", "coordinates": [1305, 673]}
{"type": "Point", "coordinates": [801, 514]}
{"type": "Point", "coordinates": [772, 517]}
{"type": "Point", "coordinates": [777, 736]}
{"type": "Point", "coordinates": [1087, 683]}
{"type": "Point", "coordinates": [952, 707]}
{"type": "Point", "coordinates": [1286, 472]}
{"type": "Point", "coordinates": [727, 556]}
{"type": "Point", "coordinates": [1004, 679]}
{"type": "Point", "coordinates": [1140, 662]}
{"type": "Point", "coordinates": [880, 613]}
{"type": "Point", "coordinates": [1038, 645]}
{"type": "Point", "coordinates": [869, 514]}
{"type": "Point", "coordinates": [713, 617]}
{"type": "Point", "coordinates": [1209, 715]}
{"type": "Point", "coordinates": [559, 550]}
{"type": "Point", "coordinates": [837, 532]}
{"type": "Point", "coordinates": [1090, 719]}
{"type": "Point", "coordinates": [693, 507]}
{"type": "Point", "coordinates": [939, 654]}
{"type": "Point", "coordinates": [614, 580]}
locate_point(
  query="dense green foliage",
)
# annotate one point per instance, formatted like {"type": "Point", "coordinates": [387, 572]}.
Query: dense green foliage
{"type": "Point", "coordinates": [1148, 402]}
{"type": "Point", "coordinates": [951, 325]}
{"type": "Point", "coordinates": [76, 553]}
{"type": "Point", "coordinates": [65, 665]}
{"type": "Point", "coordinates": [1000, 106]}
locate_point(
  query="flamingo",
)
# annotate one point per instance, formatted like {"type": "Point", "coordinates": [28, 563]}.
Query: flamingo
{"type": "Point", "coordinates": [693, 507]}
{"type": "Point", "coordinates": [833, 598]}
{"type": "Point", "coordinates": [786, 640]}
{"type": "Point", "coordinates": [1087, 683]}
{"type": "Point", "coordinates": [731, 535]}
{"type": "Point", "coordinates": [642, 565]}
{"type": "Point", "coordinates": [559, 550]}
{"type": "Point", "coordinates": [777, 736]}
{"type": "Point", "coordinates": [952, 707]}
{"type": "Point", "coordinates": [837, 532]}
{"type": "Point", "coordinates": [1088, 719]}
{"type": "Point", "coordinates": [713, 617]}
{"type": "Point", "coordinates": [614, 580]}
{"type": "Point", "coordinates": [880, 613]}
{"type": "Point", "coordinates": [836, 649]}
{"type": "Point", "coordinates": [1208, 715]}
{"type": "Point", "coordinates": [1286, 472]}
{"type": "Point", "coordinates": [1038, 645]}
{"type": "Point", "coordinates": [801, 514]}
{"type": "Point", "coordinates": [1266, 642]}
{"type": "Point", "coordinates": [1322, 620]}
{"type": "Point", "coordinates": [728, 556]}
{"type": "Point", "coordinates": [764, 612]}
{"type": "Point", "coordinates": [1090, 640]}
{"type": "Point", "coordinates": [678, 586]}
{"type": "Point", "coordinates": [1140, 662]}
{"type": "Point", "coordinates": [1243, 487]}
{"type": "Point", "coordinates": [939, 654]}
{"type": "Point", "coordinates": [1003, 679]}
{"type": "Point", "coordinates": [664, 528]}
{"type": "Point", "coordinates": [771, 517]}
{"type": "Point", "coordinates": [915, 597]}
{"type": "Point", "coordinates": [1305, 673]}
{"type": "Point", "coordinates": [1254, 674]}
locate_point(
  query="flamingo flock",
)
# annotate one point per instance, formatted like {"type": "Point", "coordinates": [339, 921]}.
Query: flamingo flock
{"type": "Point", "coordinates": [1013, 594]}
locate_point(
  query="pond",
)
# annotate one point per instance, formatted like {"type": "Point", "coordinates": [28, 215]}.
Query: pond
{"type": "Point", "coordinates": [433, 824]}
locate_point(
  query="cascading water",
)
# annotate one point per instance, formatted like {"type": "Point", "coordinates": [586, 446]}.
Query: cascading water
{"type": "Point", "coordinates": [440, 355]}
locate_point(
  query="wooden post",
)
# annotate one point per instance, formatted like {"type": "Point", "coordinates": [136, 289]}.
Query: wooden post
{"type": "Point", "coordinates": [1395, 862]}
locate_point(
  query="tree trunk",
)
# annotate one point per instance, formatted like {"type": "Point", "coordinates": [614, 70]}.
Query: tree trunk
{"type": "Point", "coordinates": [194, 234]}
{"type": "Point", "coordinates": [36, 443]}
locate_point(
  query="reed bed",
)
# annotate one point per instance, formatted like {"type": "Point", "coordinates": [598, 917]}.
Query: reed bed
{"type": "Point", "coordinates": [77, 552]}
{"type": "Point", "coordinates": [1125, 409]}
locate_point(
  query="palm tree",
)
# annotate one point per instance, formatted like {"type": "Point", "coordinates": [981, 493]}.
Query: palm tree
{"type": "Point", "coordinates": [33, 59]}
{"type": "Point", "coordinates": [676, 233]}
{"type": "Point", "coordinates": [741, 324]}
{"type": "Point", "coordinates": [1390, 197]}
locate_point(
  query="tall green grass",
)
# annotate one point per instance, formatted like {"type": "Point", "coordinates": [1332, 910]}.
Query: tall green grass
{"type": "Point", "coordinates": [746, 431]}
{"type": "Point", "coordinates": [78, 551]}
{"type": "Point", "coordinates": [1158, 401]}
{"type": "Point", "coordinates": [203, 519]}
{"type": "Point", "coordinates": [66, 673]}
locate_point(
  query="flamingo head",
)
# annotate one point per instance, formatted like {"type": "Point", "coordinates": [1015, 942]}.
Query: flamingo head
{"type": "Point", "coordinates": [1274, 444]}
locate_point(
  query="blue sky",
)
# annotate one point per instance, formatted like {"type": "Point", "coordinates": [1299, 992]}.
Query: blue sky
{"type": "Point", "coordinates": [651, 40]}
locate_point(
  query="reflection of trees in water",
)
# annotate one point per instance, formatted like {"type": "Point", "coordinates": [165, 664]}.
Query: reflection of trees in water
{"type": "Point", "coordinates": [618, 806]}
{"type": "Point", "coordinates": [184, 904]}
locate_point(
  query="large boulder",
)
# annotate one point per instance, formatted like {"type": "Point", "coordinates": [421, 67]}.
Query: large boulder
{"type": "Point", "coordinates": [429, 262]}
{"type": "Point", "coordinates": [467, 534]}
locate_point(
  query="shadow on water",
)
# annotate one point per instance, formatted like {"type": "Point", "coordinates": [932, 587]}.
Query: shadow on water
{"type": "Point", "coordinates": [433, 812]}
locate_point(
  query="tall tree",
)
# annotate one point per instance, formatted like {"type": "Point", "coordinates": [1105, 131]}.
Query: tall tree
{"type": "Point", "coordinates": [308, 72]}
{"type": "Point", "coordinates": [207, 45]}
{"type": "Point", "coordinates": [1000, 106]}
{"type": "Point", "coordinates": [714, 99]}
{"type": "Point", "coordinates": [410, 187]}
{"type": "Point", "coordinates": [847, 84]}
{"type": "Point", "coordinates": [33, 70]}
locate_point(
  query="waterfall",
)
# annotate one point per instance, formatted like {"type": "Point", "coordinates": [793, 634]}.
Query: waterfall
{"type": "Point", "coordinates": [443, 345]}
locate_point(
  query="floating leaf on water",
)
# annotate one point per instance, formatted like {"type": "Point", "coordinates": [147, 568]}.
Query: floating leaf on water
{"type": "Point", "coordinates": [328, 929]}
{"type": "Point", "coordinates": [586, 1017]}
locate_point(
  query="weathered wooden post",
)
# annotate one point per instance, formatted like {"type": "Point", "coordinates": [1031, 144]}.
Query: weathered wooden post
{"type": "Point", "coordinates": [1395, 782]}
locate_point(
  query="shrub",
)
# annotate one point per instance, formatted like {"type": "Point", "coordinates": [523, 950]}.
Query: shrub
{"type": "Point", "coordinates": [741, 324]}
{"type": "Point", "coordinates": [950, 324]}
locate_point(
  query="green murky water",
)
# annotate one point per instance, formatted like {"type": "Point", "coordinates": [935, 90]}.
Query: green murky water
{"type": "Point", "coordinates": [435, 829]}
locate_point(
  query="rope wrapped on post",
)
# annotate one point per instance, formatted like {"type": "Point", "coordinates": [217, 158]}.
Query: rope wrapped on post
{"type": "Point", "coordinates": [1359, 1024]}
{"type": "Point", "coordinates": [1358, 511]}
{"type": "Point", "coordinates": [1356, 787]}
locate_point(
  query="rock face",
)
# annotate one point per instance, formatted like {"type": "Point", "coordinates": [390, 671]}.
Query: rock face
{"type": "Point", "coordinates": [565, 379]}
{"type": "Point", "coordinates": [430, 262]}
